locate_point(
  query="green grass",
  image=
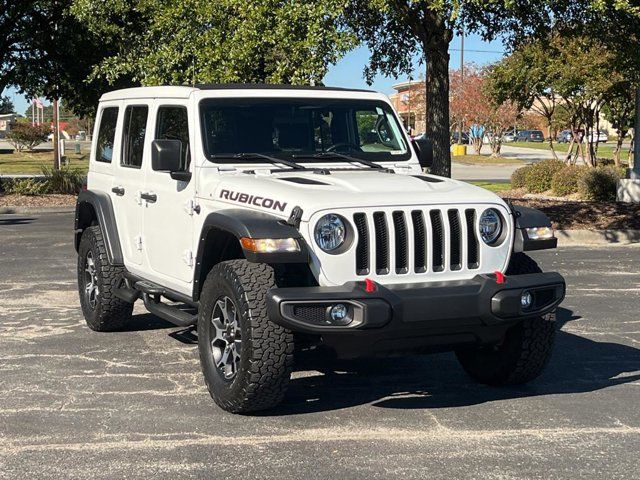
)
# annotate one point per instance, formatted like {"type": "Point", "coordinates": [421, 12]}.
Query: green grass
{"type": "Point", "coordinates": [604, 150]}
{"type": "Point", "coordinates": [492, 186]}
{"type": "Point", "coordinates": [32, 162]}
{"type": "Point", "coordinates": [486, 160]}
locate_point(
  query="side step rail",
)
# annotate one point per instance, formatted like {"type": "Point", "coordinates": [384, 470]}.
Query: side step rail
{"type": "Point", "coordinates": [167, 312]}
{"type": "Point", "coordinates": [152, 296]}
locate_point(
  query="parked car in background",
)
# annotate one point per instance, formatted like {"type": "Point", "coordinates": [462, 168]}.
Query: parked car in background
{"type": "Point", "coordinates": [509, 137]}
{"type": "Point", "coordinates": [599, 137]}
{"type": "Point", "coordinates": [530, 136]}
{"type": "Point", "coordinates": [465, 137]}
{"type": "Point", "coordinates": [564, 136]}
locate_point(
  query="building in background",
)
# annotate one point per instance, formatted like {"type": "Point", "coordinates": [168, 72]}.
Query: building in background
{"type": "Point", "coordinates": [6, 121]}
{"type": "Point", "coordinates": [409, 102]}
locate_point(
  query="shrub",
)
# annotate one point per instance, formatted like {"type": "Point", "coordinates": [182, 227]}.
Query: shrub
{"type": "Point", "coordinates": [565, 181]}
{"type": "Point", "coordinates": [600, 184]}
{"type": "Point", "coordinates": [24, 135]}
{"type": "Point", "coordinates": [64, 180]}
{"type": "Point", "coordinates": [538, 179]}
{"type": "Point", "coordinates": [27, 186]}
{"type": "Point", "coordinates": [519, 177]}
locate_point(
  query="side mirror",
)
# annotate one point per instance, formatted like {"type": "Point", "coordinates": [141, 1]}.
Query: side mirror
{"type": "Point", "coordinates": [166, 156]}
{"type": "Point", "coordinates": [424, 151]}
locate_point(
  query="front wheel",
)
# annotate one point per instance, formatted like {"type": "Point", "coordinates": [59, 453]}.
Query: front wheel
{"type": "Point", "coordinates": [246, 359]}
{"type": "Point", "coordinates": [525, 350]}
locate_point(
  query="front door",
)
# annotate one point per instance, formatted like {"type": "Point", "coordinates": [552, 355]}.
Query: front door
{"type": "Point", "coordinates": [168, 222]}
{"type": "Point", "coordinates": [128, 182]}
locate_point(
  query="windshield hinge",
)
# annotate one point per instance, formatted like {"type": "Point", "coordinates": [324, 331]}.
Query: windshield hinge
{"type": "Point", "coordinates": [295, 217]}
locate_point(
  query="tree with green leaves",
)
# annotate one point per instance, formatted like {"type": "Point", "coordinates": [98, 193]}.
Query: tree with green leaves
{"type": "Point", "coordinates": [526, 78]}
{"type": "Point", "coordinates": [6, 105]}
{"type": "Point", "coordinates": [396, 31]}
{"type": "Point", "coordinates": [620, 110]}
{"type": "Point", "coordinates": [217, 41]}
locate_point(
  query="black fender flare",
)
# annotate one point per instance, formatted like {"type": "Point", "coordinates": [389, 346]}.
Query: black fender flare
{"type": "Point", "coordinates": [526, 217]}
{"type": "Point", "coordinates": [248, 224]}
{"type": "Point", "coordinates": [97, 206]}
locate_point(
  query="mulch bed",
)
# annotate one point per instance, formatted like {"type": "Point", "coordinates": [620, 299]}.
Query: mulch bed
{"type": "Point", "coordinates": [37, 200]}
{"type": "Point", "coordinates": [580, 215]}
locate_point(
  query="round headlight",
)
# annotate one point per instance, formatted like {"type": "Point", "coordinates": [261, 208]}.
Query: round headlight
{"type": "Point", "coordinates": [330, 232]}
{"type": "Point", "coordinates": [490, 226]}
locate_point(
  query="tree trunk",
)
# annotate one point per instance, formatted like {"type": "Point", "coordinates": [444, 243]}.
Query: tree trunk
{"type": "Point", "coordinates": [618, 150]}
{"type": "Point", "coordinates": [437, 111]}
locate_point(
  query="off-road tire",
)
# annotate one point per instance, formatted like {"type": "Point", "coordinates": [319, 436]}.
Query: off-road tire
{"type": "Point", "coordinates": [525, 350]}
{"type": "Point", "coordinates": [110, 313]}
{"type": "Point", "coordinates": [266, 357]}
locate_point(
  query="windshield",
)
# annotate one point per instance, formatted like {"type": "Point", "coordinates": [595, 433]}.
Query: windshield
{"type": "Point", "coordinates": [300, 129]}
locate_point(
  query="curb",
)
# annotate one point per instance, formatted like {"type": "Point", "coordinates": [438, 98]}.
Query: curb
{"type": "Point", "coordinates": [597, 237]}
{"type": "Point", "coordinates": [36, 210]}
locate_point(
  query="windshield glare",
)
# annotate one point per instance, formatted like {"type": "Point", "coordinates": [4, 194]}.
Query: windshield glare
{"type": "Point", "coordinates": [299, 128]}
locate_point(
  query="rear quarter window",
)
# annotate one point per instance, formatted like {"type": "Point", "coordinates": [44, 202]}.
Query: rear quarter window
{"type": "Point", "coordinates": [106, 134]}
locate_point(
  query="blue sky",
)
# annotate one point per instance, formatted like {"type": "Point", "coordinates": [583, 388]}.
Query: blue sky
{"type": "Point", "coordinates": [348, 72]}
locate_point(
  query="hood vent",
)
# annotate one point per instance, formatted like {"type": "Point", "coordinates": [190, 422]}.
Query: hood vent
{"type": "Point", "coordinates": [303, 181]}
{"type": "Point", "coordinates": [427, 179]}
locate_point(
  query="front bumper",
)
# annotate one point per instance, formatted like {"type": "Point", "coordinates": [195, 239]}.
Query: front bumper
{"type": "Point", "coordinates": [409, 316]}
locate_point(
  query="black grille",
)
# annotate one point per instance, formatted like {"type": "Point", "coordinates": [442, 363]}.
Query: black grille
{"type": "Point", "coordinates": [437, 231]}
{"type": "Point", "coordinates": [419, 242]}
{"type": "Point", "coordinates": [424, 241]}
{"type": "Point", "coordinates": [362, 249]}
{"type": "Point", "coordinates": [472, 240]}
{"type": "Point", "coordinates": [310, 313]}
{"type": "Point", "coordinates": [455, 240]}
{"type": "Point", "coordinates": [400, 228]}
{"type": "Point", "coordinates": [382, 243]}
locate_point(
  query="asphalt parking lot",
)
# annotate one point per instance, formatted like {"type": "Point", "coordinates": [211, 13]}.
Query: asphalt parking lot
{"type": "Point", "coordinates": [80, 404]}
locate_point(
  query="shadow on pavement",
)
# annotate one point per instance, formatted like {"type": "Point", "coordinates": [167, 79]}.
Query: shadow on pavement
{"type": "Point", "coordinates": [16, 221]}
{"type": "Point", "coordinates": [437, 381]}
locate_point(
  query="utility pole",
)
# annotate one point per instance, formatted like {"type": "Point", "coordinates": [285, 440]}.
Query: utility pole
{"type": "Point", "coordinates": [635, 172]}
{"type": "Point", "coordinates": [461, 82]}
{"type": "Point", "coordinates": [56, 140]}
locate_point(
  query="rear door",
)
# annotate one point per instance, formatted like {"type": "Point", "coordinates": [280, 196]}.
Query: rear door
{"type": "Point", "coordinates": [168, 221]}
{"type": "Point", "coordinates": [128, 181]}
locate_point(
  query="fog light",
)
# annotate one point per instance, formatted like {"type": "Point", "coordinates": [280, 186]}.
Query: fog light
{"type": "Point", "coordinates": [526, 300]}
{"type": "Point", "coordinates": [340, 314]}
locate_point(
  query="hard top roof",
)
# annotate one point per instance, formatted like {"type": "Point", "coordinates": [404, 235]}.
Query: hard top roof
{"type": "Point", "coordinates": [166, 91]}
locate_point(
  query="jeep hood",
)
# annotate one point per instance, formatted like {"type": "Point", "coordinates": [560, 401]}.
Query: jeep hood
{"type": "Point", "coordinates": [279, 193]}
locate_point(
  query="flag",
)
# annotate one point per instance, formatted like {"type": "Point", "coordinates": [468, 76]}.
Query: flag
{"type": "Point", "coordinates": [38, 103]}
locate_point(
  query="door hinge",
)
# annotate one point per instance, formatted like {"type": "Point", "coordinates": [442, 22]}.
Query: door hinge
{"type": "Point", "coordinates": [192, 206]}
{"type": "Point", "coordinates": [138, 242]}
{"type": "Point", "coordinates": [188, 258]}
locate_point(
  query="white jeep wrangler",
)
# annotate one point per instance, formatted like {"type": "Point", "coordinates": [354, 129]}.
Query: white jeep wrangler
{"type": "Point", "coordinates": [270, 216]}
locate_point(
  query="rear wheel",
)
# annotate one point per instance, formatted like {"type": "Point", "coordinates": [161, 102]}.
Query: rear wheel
{"type": "Point", "coordinates": [525, 350]}
{"type": "Point", "coordinates": [246, 359]}
{"type": "Point", "coordinates": [97, 279]}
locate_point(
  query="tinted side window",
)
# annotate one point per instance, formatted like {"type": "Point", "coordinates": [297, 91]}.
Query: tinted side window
{"type": "Point", "coordinates": [172, 124]}
{"type": "Point", "coordinates": [135, 124]}
{"type": "Point", "coordinates": [106, 134]}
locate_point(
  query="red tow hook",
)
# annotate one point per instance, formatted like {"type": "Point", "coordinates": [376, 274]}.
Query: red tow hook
{"type": "Point", "coordinates": [499, 277]}
{"type": "Point", "coordinates": [369, 285]}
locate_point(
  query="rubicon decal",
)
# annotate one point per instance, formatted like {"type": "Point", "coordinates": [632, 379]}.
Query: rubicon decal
{"type": "Point", "coordinates": [256, 200]}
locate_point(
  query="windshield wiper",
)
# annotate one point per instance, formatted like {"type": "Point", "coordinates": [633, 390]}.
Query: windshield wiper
{"type": "Point", "coordinates": [340, 155]}
{"type": "Point", "coordinates": [269, 158]}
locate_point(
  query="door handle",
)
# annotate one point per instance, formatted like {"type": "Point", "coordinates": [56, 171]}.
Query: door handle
{"type": "Point", "coordinates": [149, 197]}
{"type": "Point", "coordinates": [119, 191]}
